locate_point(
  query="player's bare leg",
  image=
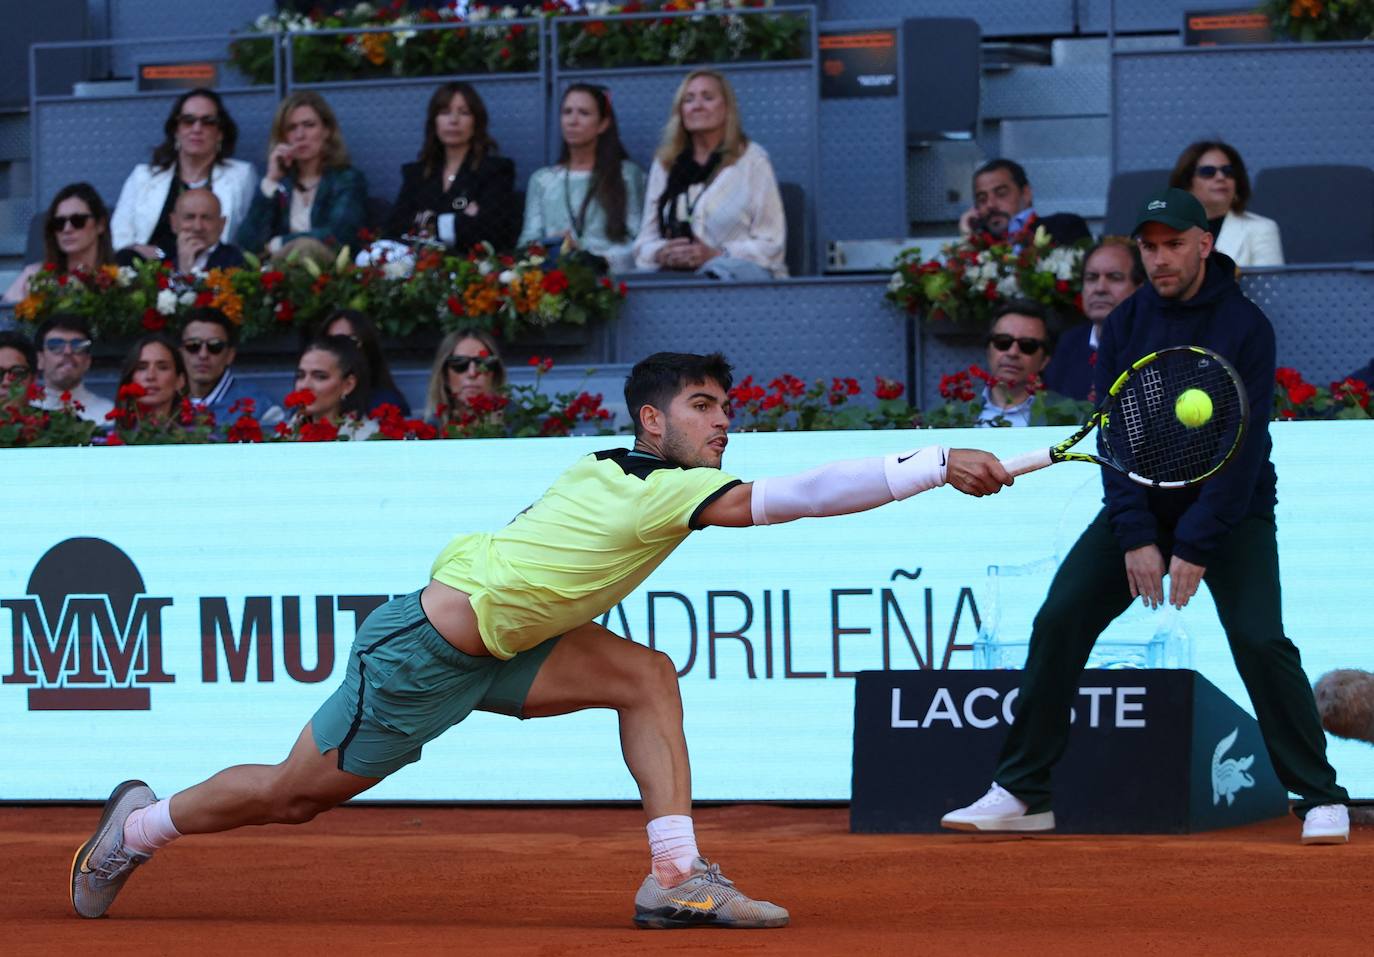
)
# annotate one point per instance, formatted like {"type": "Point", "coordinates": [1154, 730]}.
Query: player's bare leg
{"type": "Point", "coordinates": [594, 668]}
{"type": "Point", "coordinates": [135, 823]}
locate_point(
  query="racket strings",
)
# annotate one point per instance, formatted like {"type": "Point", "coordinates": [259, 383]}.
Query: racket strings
{"type": "Point", "coordinates": [1144, 434]}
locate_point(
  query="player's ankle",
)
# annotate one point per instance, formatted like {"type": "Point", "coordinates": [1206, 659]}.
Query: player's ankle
{"type": "Point", "coordinates": [150, 828]}
{"type": "Point", "coordinates": [673, 846]}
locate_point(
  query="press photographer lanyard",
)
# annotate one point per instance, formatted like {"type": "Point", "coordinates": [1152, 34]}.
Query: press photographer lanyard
{"type": "Point", "coordinates": [579, 220]}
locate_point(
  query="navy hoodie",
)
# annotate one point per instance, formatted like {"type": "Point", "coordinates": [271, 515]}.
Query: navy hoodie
{"type": "Point", "coordinates": [1191, 523]}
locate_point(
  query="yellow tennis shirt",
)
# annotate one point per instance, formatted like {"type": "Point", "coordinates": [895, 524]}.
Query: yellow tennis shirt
{"type": "Point", "coordinates": [600, 529]}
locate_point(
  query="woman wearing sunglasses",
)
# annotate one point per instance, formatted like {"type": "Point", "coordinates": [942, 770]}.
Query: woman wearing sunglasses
{"type": "Point", "coordinates": [1214, 172]}
{"type": "Point", "coordinates": [76, 237]}
{"type": "Point", "coordinates": [466, 365]}
{"type": "Point", "coordinates": [196, 152]}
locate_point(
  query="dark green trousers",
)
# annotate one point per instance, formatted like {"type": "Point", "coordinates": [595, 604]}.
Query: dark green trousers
{"type": "Point", "coordinates": [1090, 589]}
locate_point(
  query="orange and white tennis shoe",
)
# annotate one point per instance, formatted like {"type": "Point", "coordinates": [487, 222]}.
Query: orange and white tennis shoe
{"type": "Point", "coordinates": [706, 899]}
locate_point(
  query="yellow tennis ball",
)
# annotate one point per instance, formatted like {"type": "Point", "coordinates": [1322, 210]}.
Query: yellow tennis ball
{"type": "Point", "coordinates": [1193, 407]}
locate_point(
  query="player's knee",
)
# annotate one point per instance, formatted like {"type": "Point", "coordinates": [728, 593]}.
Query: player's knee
{"type": "Point", "coordinates": [300, 808]}
{"type": "Point", "coordinates": [662, 673]}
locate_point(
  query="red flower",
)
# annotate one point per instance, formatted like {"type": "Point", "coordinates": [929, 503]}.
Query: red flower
{"type": "Point", "coordinates": [153, 320]}
{"type": "Point", "coordinates": [113, 439]}
{"type": "Point", "coordinates": [547, 364]}
{"type": "Point", "coordinates": [162, 280]}
{"type": "Point", "coordinates": [771, 401]}
{"type": "Point", "coordinates": [285, 311]}
{"type": "Point", "coordinates": [455, 305]}
{"type": "Point", "coordinates": [299, 399]}
{"type": "Point", "coordinates": [889, 388]}
{"type": "Point", "coordinates": [204, 299]}
{"type": "Point", "coordinates": [270, 279]}
{"type": "Point", "coordinates": [534, 361]}
{"type": "Point", "coordinates": [130, 393]}
{"type": "Point", "coordinates": [1061, 286]}
{"type": "Point", "coordinates": [63, 279]}
{"type": "Point", "coordinates": [516, 30]}
{"type": "Point", "coordinates": [606, 283]}
{"type": "Point", "coordinates": [244, 406]}
{"type": "Point", "coordinates": [324, 431]}
{"type": "Point", "coordinates": [555, 282]}
{"type": "Point", "coordinates": [50, 267]}
{"type": "Point", "coordinates": [245, 429]}
{"type": "Point", "coordinates": [505, 53]}
{"type": "Point", "coordinates": [622, 289]}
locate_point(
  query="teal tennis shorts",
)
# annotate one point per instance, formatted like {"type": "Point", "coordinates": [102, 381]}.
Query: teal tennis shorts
{"type": "Point", "coordinates": [406, 685]}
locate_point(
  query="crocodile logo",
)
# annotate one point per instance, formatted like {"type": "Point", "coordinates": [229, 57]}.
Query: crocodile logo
{"type": "Point", "coordinates": [1231, 774]}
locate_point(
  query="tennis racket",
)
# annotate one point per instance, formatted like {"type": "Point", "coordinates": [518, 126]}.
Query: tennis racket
{"type": "Point", "coordinates": [1141, 432]}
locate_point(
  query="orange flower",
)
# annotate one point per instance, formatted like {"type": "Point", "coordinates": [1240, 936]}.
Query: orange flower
{"type": "Point", "coordinates": [1305, 8]}
{"type": "Point", "coordinates": [374, 47]}
{"type": "Point", "coordinates": [30, 306]}
{"type": "Point", "coordinates": [226, 300]}
{"type": "Point", "coordinates": [481, 299]}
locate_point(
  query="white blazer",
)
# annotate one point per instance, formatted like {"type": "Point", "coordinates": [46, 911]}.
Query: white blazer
{"type": "Point", "coordinates": [1250, 239]}
{"type": "Point", "coordinates": [145, 193]}
{"type": "Point", "coordinates": [739, 213]}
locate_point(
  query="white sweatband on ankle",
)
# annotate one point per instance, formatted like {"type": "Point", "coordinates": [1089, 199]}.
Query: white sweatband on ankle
{"type": "Point", "coordinates": [840, 488]}
{"type": "Point", "coordinates": [920, 470]}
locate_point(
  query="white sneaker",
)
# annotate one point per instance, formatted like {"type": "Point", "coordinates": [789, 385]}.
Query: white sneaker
{"type": "Point", "coordinates": [998, 810]}
{"type": "Point", "coordinates": [1326, 824]}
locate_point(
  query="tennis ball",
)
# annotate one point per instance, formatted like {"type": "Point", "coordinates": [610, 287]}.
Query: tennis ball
{"type": "Point", "coordinates": [1193, 407]}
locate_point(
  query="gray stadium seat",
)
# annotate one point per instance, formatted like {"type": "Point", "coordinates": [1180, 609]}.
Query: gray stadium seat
{"type": "Point", "coordinates": [33, 249]}
{"type": "Point", "coordinates": [798, 252]}
{"type": "Point", "coordinates": [1325, 212]}
{"type": "Point", "coordinates": [1124, 196]}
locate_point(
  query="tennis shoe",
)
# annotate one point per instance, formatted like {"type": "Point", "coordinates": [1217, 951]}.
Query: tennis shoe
{"type": "Point", "coordinates": [103, 863]}
{"type": "Point", "coordinates": [1326, 824]}
{"type": "Point", "coordinates": [998, 810]}
{"type": "Point", "coordinates": [706, 899]}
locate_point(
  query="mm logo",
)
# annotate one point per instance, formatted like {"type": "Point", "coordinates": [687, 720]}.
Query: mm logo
{"type": "Point", "coordinates": [86, 638]}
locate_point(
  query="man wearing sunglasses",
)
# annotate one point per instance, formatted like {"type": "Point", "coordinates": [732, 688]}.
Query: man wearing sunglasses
{"type": "Point", "coordinates": [1018, 348]}
{"type": "Point", "coordinates": [64, 344]}
{"type": "Point", "coordinates": [208, 339]}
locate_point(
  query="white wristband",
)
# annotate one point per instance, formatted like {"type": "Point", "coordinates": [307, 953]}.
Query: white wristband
{"type": "Point", "coordinates": [919, 470]}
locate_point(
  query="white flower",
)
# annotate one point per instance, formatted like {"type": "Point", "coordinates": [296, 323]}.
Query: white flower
{"type": "Point", "coordinates": [484, 268]}
{"type": "Point", "coordinates": [187, 298]}
{"type": "Point", "coordinates": [895, 282]}
{"type": "Point", "coordinates": [535, 260]}
{"type": "Point", "coordinates": [364, 10]}
{"type": "Point", "coordinates": [398, 268]}
{"type": "Point", "coordinates": [126, 276]}
{"type": "Point", "coordinates": [403, 35]}
{"type": "Point", "coordinates": [509, 13]}
{"type": "Point", "coordinates": [1009, 288]}
{"type": "Point", "coordinates": [479, 13]}
{"type": "Point", "coordinates": [600, 9]}
{"type": "Point", "coordinates": [507, 277]}
{"type": "Point", "coordinates": [167, 302]}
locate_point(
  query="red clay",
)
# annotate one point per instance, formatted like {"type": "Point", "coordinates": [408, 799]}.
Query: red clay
{"type": "Point", "coordinates": [561, 880]}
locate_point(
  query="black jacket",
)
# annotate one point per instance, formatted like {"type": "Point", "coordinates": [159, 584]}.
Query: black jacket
{"type": "Point", "coordinates": [1192, 522]}
{"type": "Point", "coordinates": [491, 185]}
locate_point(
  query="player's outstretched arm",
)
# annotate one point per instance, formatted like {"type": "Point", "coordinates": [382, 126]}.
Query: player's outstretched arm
{"type": "Point", "coordinates": [856, 485]}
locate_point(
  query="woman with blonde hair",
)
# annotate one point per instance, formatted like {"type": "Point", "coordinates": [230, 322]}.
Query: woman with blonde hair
{"type": "Point", "coordinates": [712, 204]}
{"type": "Point", "coordinates": [466, 364]}
{"type": "Point", "coordinates": [310, 198]}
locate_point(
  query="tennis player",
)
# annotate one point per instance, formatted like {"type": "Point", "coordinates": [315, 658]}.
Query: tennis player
{"type": "Point", "coordinates": [1221, 533]}
{"type": "Point", "coordinates": [506, 625]}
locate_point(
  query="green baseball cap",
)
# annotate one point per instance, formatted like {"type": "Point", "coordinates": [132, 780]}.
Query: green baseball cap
{"type": "Point", "coordinates": [1176, 208]}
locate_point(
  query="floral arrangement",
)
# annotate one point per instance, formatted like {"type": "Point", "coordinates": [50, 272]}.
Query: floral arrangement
{"type": "Point", "coordinates": [24, 424]}
{"type": "Point", "coordinates": [525, 409]}
{"type": "Point", "coordinates": [976, 276]}
{"type": "Point", "coordinates": [1310, 20]}
{"type": "Point", "coordinates": [397, 39]}
{"type": "Point", "coordinates": [1296, 398]}
{"type": "Point", "coordinates": [963, 405]}
{"type": "Point", "coordinates": [504, 295]}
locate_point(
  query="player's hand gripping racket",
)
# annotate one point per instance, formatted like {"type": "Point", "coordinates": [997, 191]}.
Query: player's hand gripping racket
{"type": "Point", "coordinates": [1172, 419]}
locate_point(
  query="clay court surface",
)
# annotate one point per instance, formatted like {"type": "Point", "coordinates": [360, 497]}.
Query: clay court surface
{"type": "Point", "coordinates": [560, 880]}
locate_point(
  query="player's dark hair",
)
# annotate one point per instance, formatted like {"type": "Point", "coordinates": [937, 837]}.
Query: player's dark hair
{"type": "Point", "coordinates": [215, 316]}
{"type": "Point", "coordinates": [351, 362]}
{"type": "Point", "coordinates": [1017, 171]}
{"type": "Point", "coordinates": [655, 380]}
{"type": "Point", "coordinates": [1033, 309]}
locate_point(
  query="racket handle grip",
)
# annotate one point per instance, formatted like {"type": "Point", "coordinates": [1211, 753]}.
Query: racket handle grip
{"type": "Point", "coordinates": [1027, 462]}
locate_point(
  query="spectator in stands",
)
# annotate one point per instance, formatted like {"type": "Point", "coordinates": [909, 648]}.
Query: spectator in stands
{"type": "Point", "coordinates": [594, 198]}
{"type": "Point", "coordinates": [1004, 205]}
{"type": "Point", "coordinates": [310, 199]}
{"type": "Point", "coordinates": [18, 362]}
{"type": "Point", "coordinates": [196, 152]}
{"type": "Point", "coordinates": [459, 191]}
{"type": "Point", "coordinates": [358, 327]}
{"type": "Point", "coordinates": [466, 365]}
{"type": "Point", "coordinates": [1112, 271]}
{"type": "Point", "coordinates": [63, 341]}
{"type": "Point", "coordinates": [209, 347]}
{"type": "Point", "coordinates": [334, 371]}
{"type": "Point", "coordinates": [1018, 348]}
{"type": "Point", "coordinates": [76, 237]}
{"type": "Point", "coordinates": [713, 205]}
{"type": "Point", "coordinates": [154, 364]}
{"type": "Point", "coordinates": [1214, 172]}
{"type": "Point", "coordinates": [199, 226]}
